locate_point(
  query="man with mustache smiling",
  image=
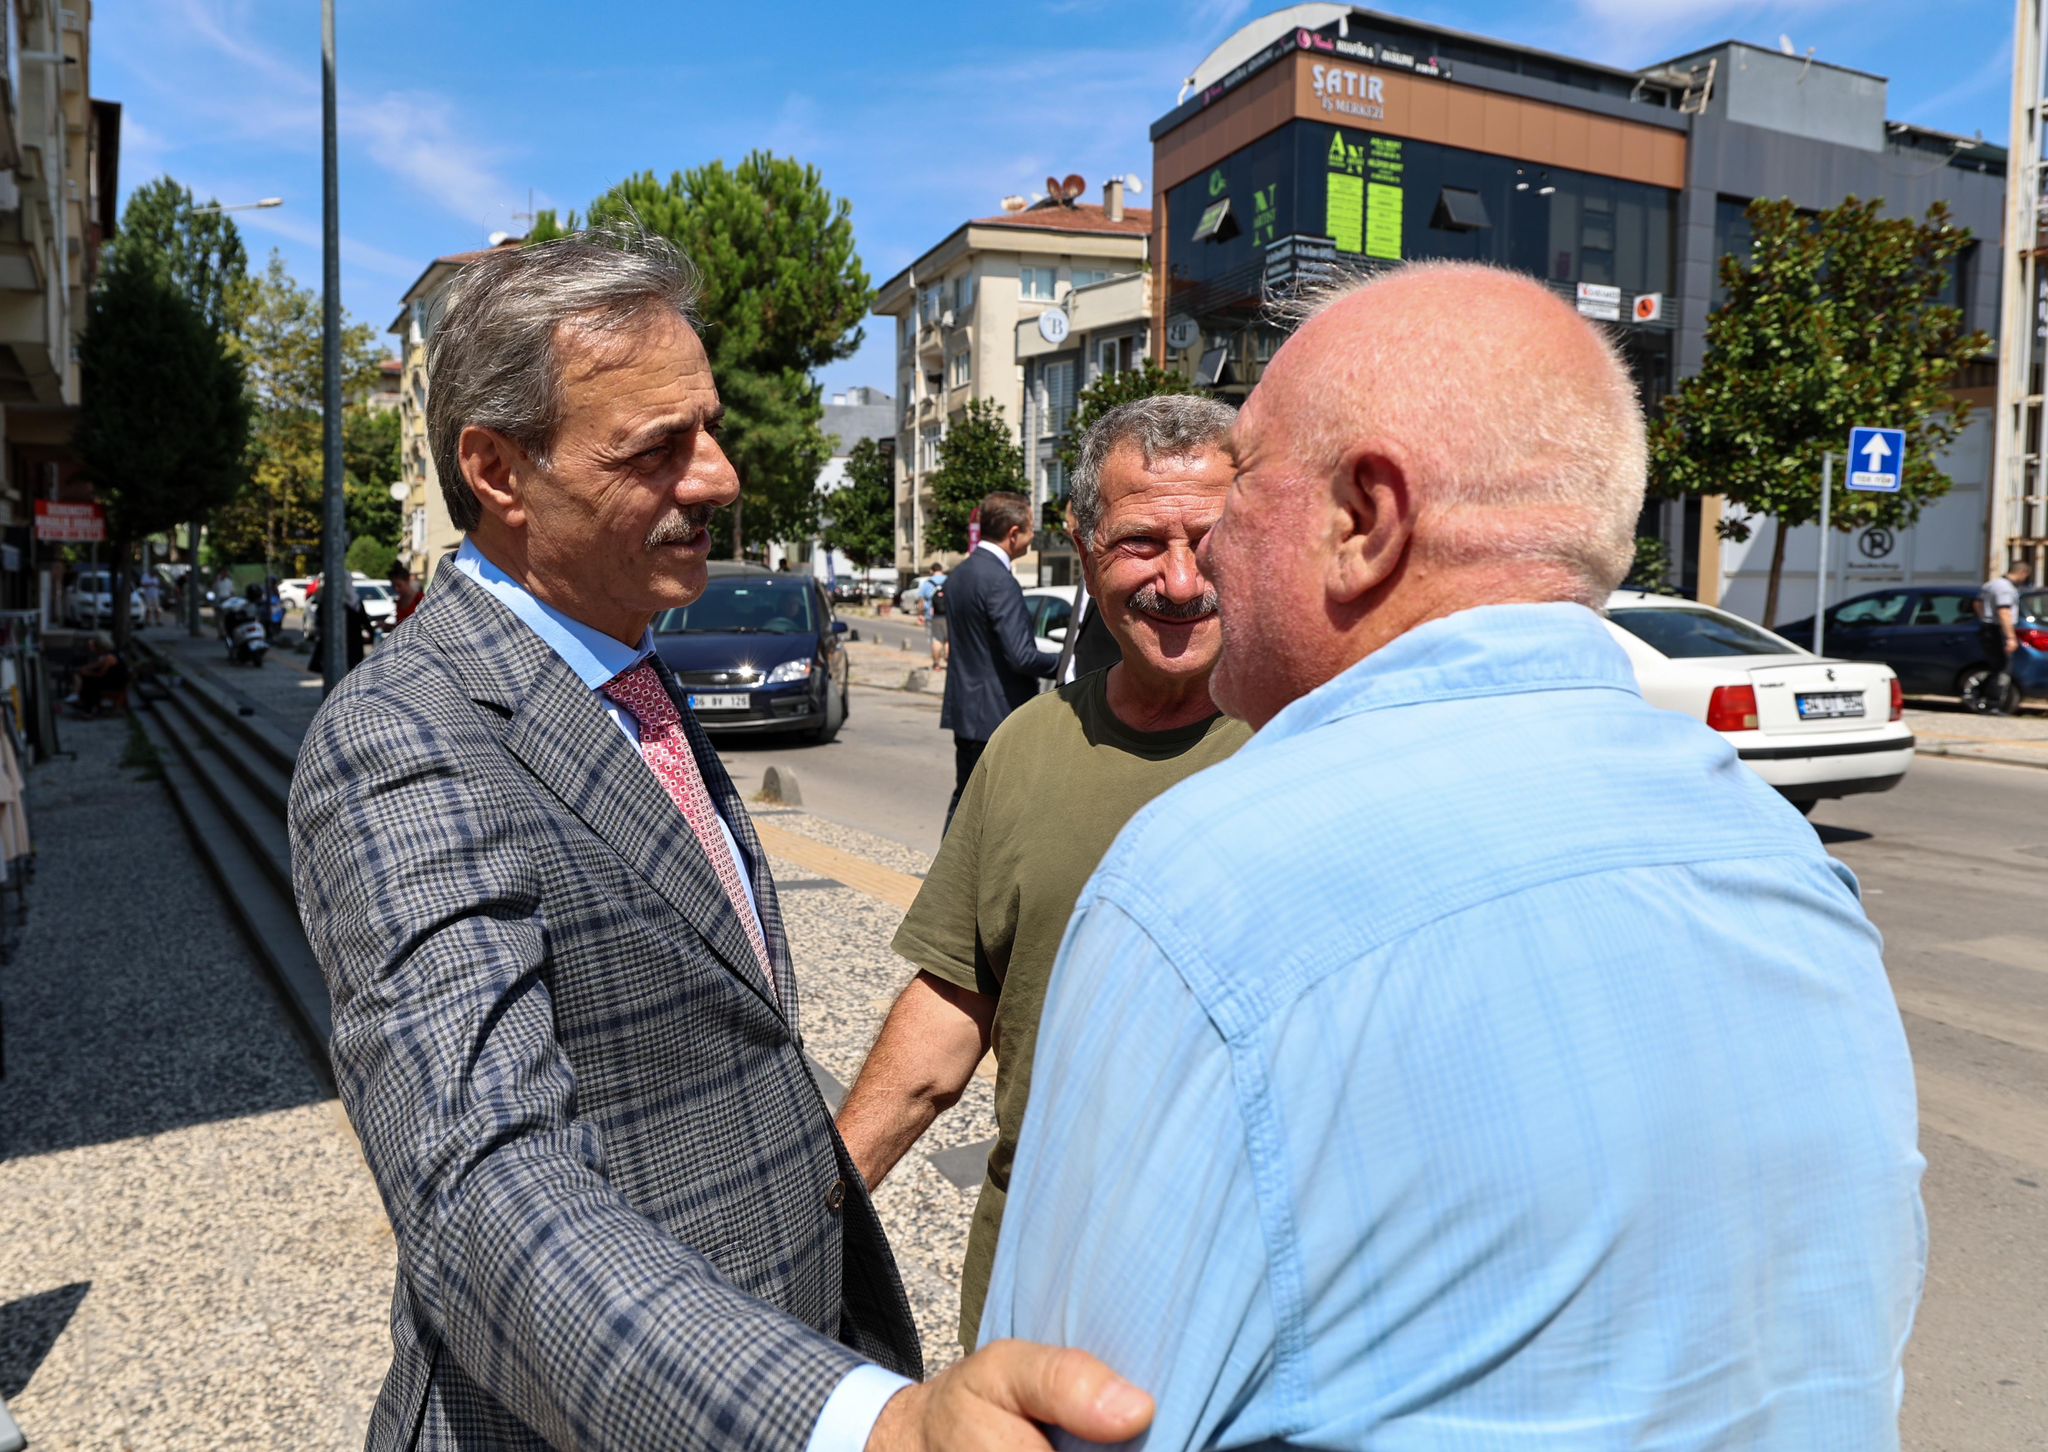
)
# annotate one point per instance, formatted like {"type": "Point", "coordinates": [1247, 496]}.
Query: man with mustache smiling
{"type": "Point", "coordinates": [564, 1014]}
{"type": "Point", "coordinates": [1054, 788]}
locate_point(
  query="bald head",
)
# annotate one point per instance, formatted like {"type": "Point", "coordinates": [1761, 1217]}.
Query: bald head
{"type": "Point", "coordinates": [1441, 436]}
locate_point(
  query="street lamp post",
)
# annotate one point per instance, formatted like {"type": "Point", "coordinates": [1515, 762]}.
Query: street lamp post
{"type": "Point", "coordinates": [238, 207]}
{"type": "Point", "coordinates": [334, 621]}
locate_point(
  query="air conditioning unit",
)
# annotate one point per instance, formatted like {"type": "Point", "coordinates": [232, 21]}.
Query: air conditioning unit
{"type": "Point", "coordinates": [946, 318]}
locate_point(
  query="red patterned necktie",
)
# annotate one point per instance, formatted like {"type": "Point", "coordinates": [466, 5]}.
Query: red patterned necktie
{"type": "Point", "coordinates": [668, 754]}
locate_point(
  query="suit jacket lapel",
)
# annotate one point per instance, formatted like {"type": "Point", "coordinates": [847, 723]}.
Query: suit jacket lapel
{"type": "Point", "coordinates": [561, 735]}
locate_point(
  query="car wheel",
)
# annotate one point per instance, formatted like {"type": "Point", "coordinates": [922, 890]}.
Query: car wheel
{"type": "Point", "coordinates": [1974, 686]}
{"type": "Point", "coordinates": [835, 717]}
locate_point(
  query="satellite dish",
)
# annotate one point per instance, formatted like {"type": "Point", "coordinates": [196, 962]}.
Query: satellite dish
{"type": "Point", "coordinates": [1133, 183]}
{"type": "Point", "coordinates": [1785, 44]}
{"type": "Point", "coordinates": [500, 237]}
{"type": "Point", "coordinates": [1052, 188]}
{"type": "Point", "coordinates": [1014, 204]}
{"type": "Point", "coordinates": [399, 491]}
{"type": "Point", "coordinates": [1073, 186]}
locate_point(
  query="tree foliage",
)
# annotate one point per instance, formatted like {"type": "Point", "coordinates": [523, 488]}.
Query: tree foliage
{"type": "Point", "coordinates": [783, 293]}
{"type": "Point", "coordinates": [976, 457]}
{"type": "Point", "coordinates": [859, 517]}
{"type": "Point", "coordinates": [200, 254]}
{"type": "Point", "coordinates": [370, 466]}
{"type": "Point", "coordinates": [1831, 322]}
{"type": "Point", "coordinates": [278, 517]}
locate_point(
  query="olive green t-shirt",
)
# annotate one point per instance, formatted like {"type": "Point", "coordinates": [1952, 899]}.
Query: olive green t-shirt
{"type": "Point", "coordinates": [1056, 785]}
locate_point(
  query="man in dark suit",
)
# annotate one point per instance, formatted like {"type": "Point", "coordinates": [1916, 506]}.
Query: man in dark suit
{"type": "Point", "coordinates": [565, 1016]}
{"type": "Point", "coordinates": [996, 663]}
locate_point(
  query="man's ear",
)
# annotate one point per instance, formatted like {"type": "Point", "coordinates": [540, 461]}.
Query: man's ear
{"type": "Point", "coordinates": [1375, 519]}
{"type": "Point", "coordinates": [495, 469]}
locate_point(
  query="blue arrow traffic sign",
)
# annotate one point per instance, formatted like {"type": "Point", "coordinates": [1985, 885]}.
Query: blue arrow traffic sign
{"type": "Point", "coordinates": [1877, 460]}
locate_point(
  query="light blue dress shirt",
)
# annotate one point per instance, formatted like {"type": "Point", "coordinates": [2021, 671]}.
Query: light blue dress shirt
{"type": "Point", "coordinates": [849, 1414]}
{"type": "Point", "coordinates": [1480, 1058]}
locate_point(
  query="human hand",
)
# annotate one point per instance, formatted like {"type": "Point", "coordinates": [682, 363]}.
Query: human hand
{"type": "Point", "coordinates": [991, 1401]}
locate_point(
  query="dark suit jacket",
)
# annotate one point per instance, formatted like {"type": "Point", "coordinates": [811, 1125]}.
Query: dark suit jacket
{"type": "Point", "coordinates": [993, 665]}
{"type": "Point", "coordinates": [624, 1218]}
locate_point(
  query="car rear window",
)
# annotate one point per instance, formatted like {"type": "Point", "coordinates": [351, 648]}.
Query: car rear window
{"type": "Point", "coordinates": [2034, 608]}
{"type": "Point", "coordinates": [744, 606]}
{"type": "Point", "coordinates": [1696, 634]}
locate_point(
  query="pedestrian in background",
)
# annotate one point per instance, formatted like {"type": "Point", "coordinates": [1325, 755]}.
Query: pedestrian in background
{"type": "Point", "coordinates": [152, 598]}
{"type": "Point", "coordinates": [405, 594]}
{"type": "Point", "coordinates": [1998, 618]}
{"type": "Point", "coordinates": [987, 922]}
{"type": "Point", "coordinates": [1479, 1058]}
{"type": "Point", "coordinates": [996, 664]}
{"type": "Point", "coordinates": [931, 605]}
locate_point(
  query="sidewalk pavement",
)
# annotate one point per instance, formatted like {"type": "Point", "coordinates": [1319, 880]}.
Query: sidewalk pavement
{"type": "Point", "coordinates": [191, 1251]}
{"type": "Point", "coordinates": [1946, 730]}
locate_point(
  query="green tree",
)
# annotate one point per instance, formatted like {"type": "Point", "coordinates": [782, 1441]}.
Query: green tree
{"type": "Point", "coordinates": [859, 517]}
{"type": "Point", "coordinates": [1148, 380]}
{"type": "Point", "coordinates": [1830, 322]}
{"type": "Point", "coordinates": [278, 516]}
{"type": "Point", "coordinates": [370, 464]}
{"type": "Point", "coordinates": [164, 417]}
{"type": "Point", "coordinates": [1651, 568]}
{"type": "Point", "coordinates": [199, 253]}
{"type": "Point", "coordinates": [976, 457]}
{"type": "Point", "coordinates": [371, 556]}
{"type": "Point", "coordinates": [783, 294]}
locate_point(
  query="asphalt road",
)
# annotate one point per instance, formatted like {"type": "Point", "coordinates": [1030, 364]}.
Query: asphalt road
{"type": "Point", "coordinates": [1952, 864]}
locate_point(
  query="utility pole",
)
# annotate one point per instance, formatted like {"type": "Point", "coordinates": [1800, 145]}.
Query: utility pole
{"type": "Point", "coordinates": [334, 621]}
{"type": "Point", "coordinates": [2019, 492]}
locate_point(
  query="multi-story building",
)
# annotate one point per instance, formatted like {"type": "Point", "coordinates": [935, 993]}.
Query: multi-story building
{"type": "Point", "coordinates": [388, 386]}
{"type": "Point", "coordinates": [429, 532]}
{"type": "Point", "coordinates": [59, 156]}
{"type": "Point", "coordinates": [1098, 328]}
{"type": "Point", "coordinates": [957, 310]}
{"type": "Point", "coordinates": [1325, 138]}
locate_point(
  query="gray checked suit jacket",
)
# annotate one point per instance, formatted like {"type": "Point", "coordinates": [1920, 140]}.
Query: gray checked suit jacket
{"type": "Point", "coordinates": [624, 1218]}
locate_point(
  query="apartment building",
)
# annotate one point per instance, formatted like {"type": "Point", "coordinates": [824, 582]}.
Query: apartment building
{"type": "Point", "coordinates": [958, 310]}
{"type": "Point", "coordinates": [59, 160]}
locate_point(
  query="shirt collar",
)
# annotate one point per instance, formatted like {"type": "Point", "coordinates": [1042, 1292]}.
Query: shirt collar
{"type": "Point", "coordinates": [998, 551]}
{"type": "Point", "coordinates": [594, 656]}
{"type": "Point", "coordinates": [1493, 650]}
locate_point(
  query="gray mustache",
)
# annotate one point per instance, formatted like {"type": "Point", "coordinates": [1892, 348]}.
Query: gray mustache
{"type": "Point", "coordinates": [1151, 602]}
{"type": "Point", "coordinates": [679, 526]}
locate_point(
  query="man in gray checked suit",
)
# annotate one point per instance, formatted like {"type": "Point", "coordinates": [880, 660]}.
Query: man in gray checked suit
{"type": "Point", "coordinates": [565, 1017]}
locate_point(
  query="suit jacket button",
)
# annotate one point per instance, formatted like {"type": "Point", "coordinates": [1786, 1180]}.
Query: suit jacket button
{"type": "Point", "coordinates": [835, 1198]}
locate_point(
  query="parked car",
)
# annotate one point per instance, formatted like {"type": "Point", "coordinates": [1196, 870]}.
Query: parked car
{"type": "Point", "coordinates": [1927, 634]}
{"type": "Point", "coordinates": [293, 591]}
{"type": "Point", "coordinates": [1812, 726]}
{"type": "Point", "coordinates": [89, 600]}
{"type": "Point", "coordinates": [1052, 609]}
{"type": "Point", "coordinates": [759, 651]}
{"type": "Point", "coordinates": [378, 602]}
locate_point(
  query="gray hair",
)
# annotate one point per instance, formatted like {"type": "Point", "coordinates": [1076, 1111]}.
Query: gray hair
{"type": "Point", "coordinates": [492, 361]}
{"type": "Point", "coordinates": [1168, 426]}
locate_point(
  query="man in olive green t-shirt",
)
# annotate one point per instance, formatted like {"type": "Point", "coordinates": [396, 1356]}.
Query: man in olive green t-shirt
{"type": "Point", "coordinates": [1058, 782]}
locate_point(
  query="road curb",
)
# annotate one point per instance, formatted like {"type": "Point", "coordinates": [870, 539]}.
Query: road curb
{"type": "Point", "coordinates": [1996, 758]}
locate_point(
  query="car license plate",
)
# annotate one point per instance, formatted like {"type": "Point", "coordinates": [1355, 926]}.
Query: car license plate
{"type": "Point", "coordinates": [734, 702]}
{"type": "Point", "coordinates": [1830, 705]}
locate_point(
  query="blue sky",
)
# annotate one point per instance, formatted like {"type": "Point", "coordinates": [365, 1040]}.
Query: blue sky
{"type": "Point", "coordinates": [920, 114]}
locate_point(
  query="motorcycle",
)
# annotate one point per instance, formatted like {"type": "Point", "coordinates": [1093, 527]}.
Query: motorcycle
{"type": "Point", "coordinates": [241, 630]}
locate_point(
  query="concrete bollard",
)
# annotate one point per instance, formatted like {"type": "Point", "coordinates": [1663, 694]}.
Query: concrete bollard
{"type": "Point", "coordinates": [915, 681]}
{"type": "Point", "coordinates": [778, 784]}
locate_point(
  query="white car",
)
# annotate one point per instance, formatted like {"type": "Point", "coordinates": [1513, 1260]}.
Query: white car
{"type": "Point", "coordinates": [378, 602]}
{"type": "Point", "coordinates": [89, 601]}
{"type": "Point", "coordinates": [1810, 726]}
{"type": "Point", "coordinates": [293, 591]}
{"type": "Point", "coordinates": [1052, 610]}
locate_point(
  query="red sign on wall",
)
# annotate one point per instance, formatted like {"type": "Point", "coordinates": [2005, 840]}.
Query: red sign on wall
{"type": "Point", "coordinates": [70, 523]}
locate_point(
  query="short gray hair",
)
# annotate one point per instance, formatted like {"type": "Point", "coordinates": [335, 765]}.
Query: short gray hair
{"type": "Point", "coordinates": [492, 359]}
{"type": "Point", "coordinates": [1167, 426]}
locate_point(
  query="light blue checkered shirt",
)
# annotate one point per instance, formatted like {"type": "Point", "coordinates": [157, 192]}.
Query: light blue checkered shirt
{"type": "Point", "coordinates": [1480, 1058]}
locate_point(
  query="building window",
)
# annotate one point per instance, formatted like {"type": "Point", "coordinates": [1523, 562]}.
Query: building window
{"type": "Point", "coordinates": [927, 449]}
{"type": "Point", "coordinates": [906, 336]}
{"type": "Point", "coordinates": [963, 296]}
{"type": "Point", "coordinates": [1059, 396]}
{"type": "Point", "coordinates": [1053, 473]}
{"type": "Point", "coordinates": [1112, 355]}
{"type": "Point", "coordinates": [930, 302]}
{"type": "Point", "coordinates": [1089, 276]}
{"type": "Point", "coordinates": [963, 368]}
{"type": "Point", "coordinates": [1035, 284]}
